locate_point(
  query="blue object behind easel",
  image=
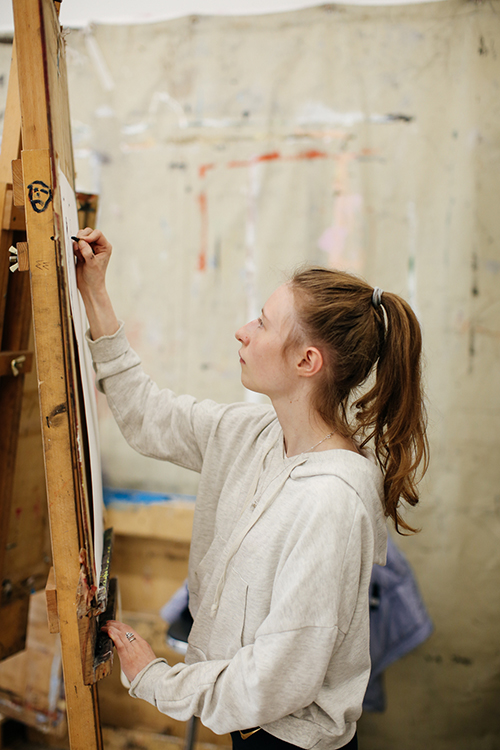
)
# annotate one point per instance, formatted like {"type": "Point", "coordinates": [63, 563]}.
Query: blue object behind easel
{"type": "Point", "coordinates": [398, 620]}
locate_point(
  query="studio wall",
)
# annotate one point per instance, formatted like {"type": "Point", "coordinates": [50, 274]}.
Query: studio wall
{"type": "Point", "coordinates": [228, 150]}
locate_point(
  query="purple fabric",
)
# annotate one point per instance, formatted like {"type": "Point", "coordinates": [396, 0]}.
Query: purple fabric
{"type": "Point", "coordinates": [398, 620]}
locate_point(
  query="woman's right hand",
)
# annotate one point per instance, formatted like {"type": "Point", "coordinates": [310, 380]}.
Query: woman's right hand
{"type": "Point", "coordinates": [93, 252]}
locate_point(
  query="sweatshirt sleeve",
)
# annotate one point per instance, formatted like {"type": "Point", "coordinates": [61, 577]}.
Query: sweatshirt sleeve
{"type": "Point", "coordinates": [282, 671]}
{"type": "Point", "coordinates": [274, 677]}
{"type": "Point", "coordinates": [155, 422]}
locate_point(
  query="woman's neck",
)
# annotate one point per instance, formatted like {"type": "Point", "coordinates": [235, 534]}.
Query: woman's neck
{"type": "Point", "coordinates": [305, 430]}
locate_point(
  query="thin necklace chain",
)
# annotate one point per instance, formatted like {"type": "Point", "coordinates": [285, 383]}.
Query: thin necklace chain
{"type": "Point", "coordinates": [256, 497]}
{"type": "Point", "coordinates": [313, 447]}
{"type": "Point", "coordinates": [309, 450]}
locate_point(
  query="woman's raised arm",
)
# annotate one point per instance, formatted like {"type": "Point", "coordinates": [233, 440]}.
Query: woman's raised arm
{"type": "Point", "coordinates": [93, 252]}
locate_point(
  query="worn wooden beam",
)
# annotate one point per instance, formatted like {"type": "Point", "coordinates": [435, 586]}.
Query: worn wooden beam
{"type": "Point", "coordinates": [57, 431]}
{"type": "Point", "coordinates": [13, 216]}
{"type": "Point", "coordinates": [51, 600]}
{"type": "Point", "coordinates": [17, 182]}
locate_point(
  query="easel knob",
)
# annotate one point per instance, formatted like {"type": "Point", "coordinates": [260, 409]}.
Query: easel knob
{"type": "Point", "coordinates": [18, 257]}
{"type": "Point", "coordinates": [17, 365]}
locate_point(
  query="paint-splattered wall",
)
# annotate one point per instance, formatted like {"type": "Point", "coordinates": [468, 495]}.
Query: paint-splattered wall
{"type": "Point", "coordinates": [226, 151]}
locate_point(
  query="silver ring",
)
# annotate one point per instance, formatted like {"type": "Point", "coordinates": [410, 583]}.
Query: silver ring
{"type": "Point", "coordinates": [130, 636]}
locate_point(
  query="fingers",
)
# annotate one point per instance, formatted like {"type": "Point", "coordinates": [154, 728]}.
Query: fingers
{"type": "Point", "coordinates": [122, 635]}
{"type": "Point", "coordinates": [83, 251]}
{"type": "Point", "coordinates": [117, 625]}
{"type": "Point", "coordinates": [92, 235]}
{"type": "Point", "coordinates": [118, 631]}
{"type": "Point", "coordinates": [77, 252]}
{"type": "Point", "coordinates": [94, 240]}
{"type": "Point", "coordinates": [120, 640]}
{"type": "Point", "coordinates": [135, 653]}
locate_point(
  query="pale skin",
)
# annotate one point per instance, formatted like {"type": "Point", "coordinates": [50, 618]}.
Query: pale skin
{"type": "Point", "coordinates": [288, 381]}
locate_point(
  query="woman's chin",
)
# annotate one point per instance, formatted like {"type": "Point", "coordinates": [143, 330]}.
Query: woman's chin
{"type": "Point", "coordinates": [251, 386]}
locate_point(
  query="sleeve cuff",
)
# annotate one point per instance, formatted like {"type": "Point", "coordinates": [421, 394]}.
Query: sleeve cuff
{"type": "Point", "coordinates": [145, 688]}
{"type": "Point", "coordinates": [107, 348]}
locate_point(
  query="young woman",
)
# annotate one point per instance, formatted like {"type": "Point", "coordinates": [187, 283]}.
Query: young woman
{"type": "Point", "coordinates": [291, 508]}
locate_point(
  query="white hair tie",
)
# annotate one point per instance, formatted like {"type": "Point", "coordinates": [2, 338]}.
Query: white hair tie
{"type": "Point", "coordinates": [377, 297]}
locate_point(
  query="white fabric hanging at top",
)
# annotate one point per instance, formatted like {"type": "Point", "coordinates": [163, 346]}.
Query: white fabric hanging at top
{"type": "Point", "coordinates": [78, 14]}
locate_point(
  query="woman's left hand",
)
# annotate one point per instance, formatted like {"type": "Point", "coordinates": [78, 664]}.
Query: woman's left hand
{"type": "Point", "coordinates": [134, 654]}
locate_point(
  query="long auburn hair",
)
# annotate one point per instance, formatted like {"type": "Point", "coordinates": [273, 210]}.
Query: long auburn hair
{"type": "Point", "coordinates": [357, 339]}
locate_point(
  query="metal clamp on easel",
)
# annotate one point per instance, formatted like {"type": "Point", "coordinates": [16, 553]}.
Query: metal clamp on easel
{"type": "Point", "coordinates": [15, 363]}
{"type": "Point", "coordinates": [18, 257]}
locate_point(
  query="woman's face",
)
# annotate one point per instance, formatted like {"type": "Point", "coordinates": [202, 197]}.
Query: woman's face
{"type": "Point", "coordinates": [264, 368]}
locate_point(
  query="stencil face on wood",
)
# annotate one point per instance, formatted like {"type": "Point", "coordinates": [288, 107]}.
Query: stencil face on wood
{"type": "Point", "coordinates": [40, 195]}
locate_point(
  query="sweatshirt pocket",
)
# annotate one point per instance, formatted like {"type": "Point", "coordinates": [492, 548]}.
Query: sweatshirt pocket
{"type": "Point", "coordinates": [226, 637]}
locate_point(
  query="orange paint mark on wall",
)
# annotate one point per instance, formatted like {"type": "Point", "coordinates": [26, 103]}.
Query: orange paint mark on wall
{"type": "Point", "coordinates": [312, 154]}
{"type": "Point", "coordinates": [272, 156]}
{"type": "Point", "coordinates": [233, 164]}
{"type": "Point", "coordinates": [204, 168]}
{"type": "Point", "coordinates": [269, 157]}
{"type": "Point", "coordinates": [276, 156]}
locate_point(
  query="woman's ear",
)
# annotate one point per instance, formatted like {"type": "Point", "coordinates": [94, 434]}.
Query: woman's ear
{"type": "Point", "coordinates": [311, 362]}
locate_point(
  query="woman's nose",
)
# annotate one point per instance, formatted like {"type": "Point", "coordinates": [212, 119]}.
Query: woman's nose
{"type": "Point", "coordinates": [241, 335]}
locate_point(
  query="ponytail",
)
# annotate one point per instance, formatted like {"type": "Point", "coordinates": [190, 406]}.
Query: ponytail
{"type": "Point", "coordinates": [363, 332]}
{"type": "Point", "coordinates": [392, 412]}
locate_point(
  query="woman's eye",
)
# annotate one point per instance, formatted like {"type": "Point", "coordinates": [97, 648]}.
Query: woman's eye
{"type": "Point", "coordinates": [260, 322]}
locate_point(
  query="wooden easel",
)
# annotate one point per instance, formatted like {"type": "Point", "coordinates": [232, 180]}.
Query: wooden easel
{"type": "Point", "coordinates": [37, 128]}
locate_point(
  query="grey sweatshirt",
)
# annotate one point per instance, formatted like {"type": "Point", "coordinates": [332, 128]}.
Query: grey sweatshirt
{"type": "Point", "coordinates": [280, 564]}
